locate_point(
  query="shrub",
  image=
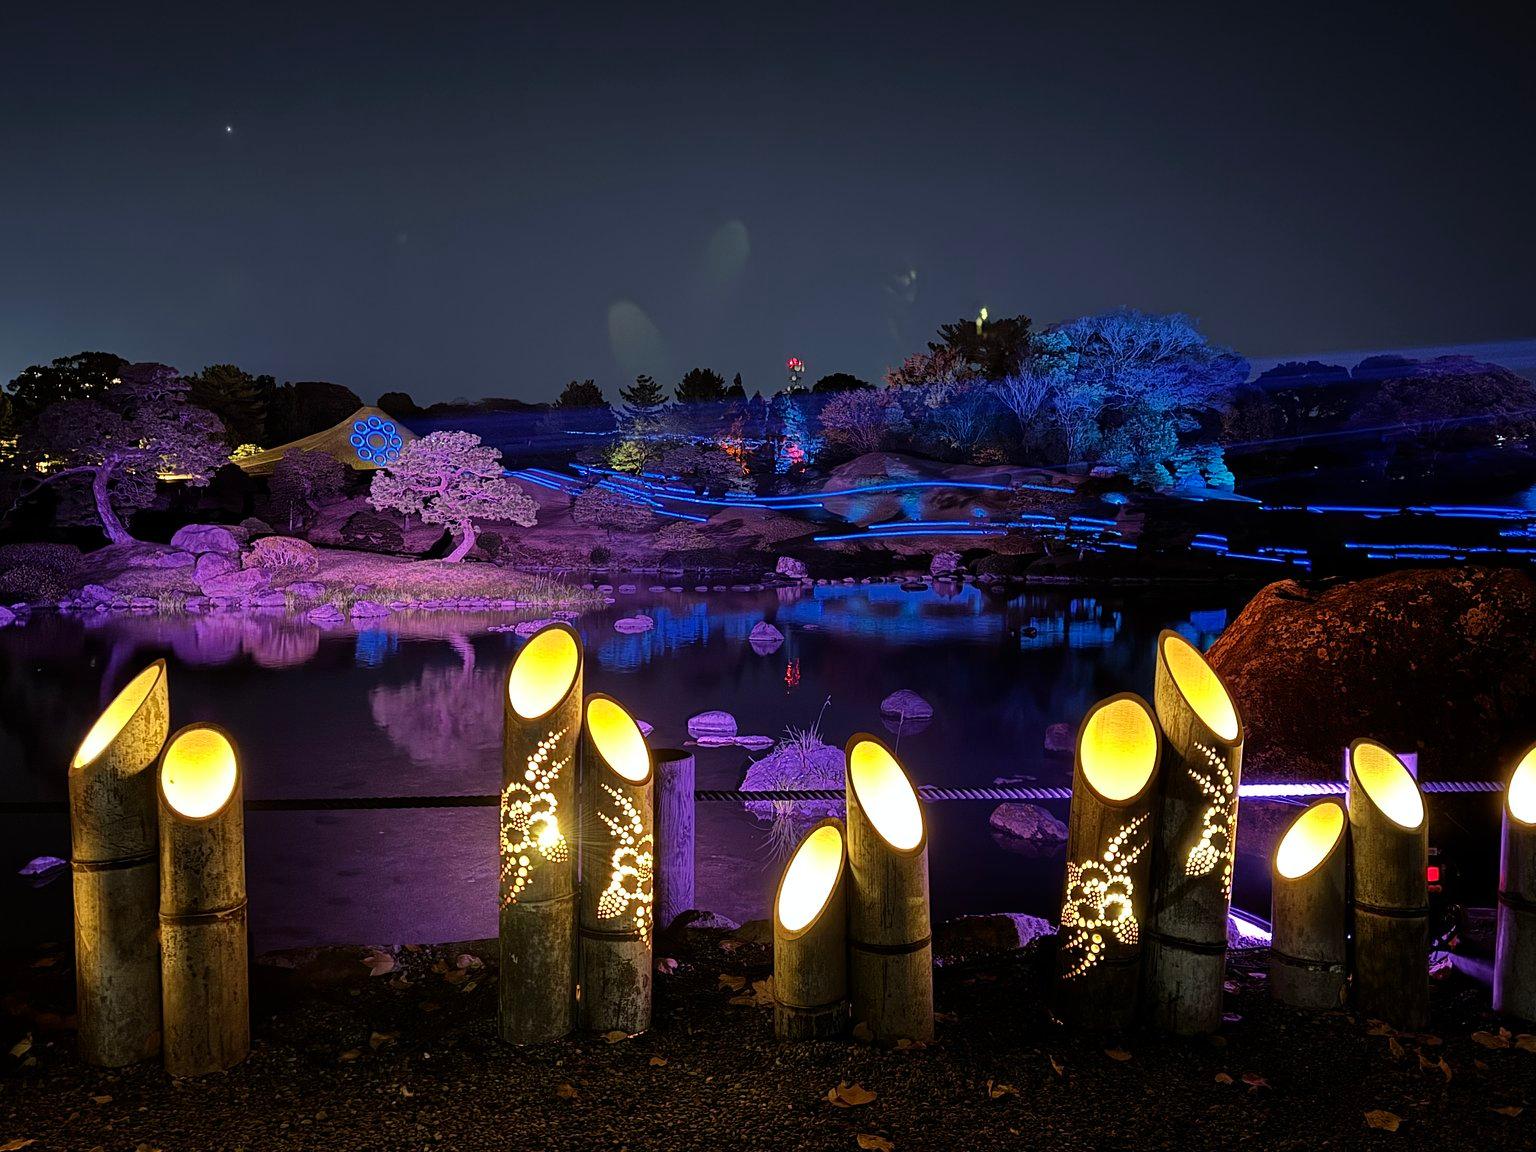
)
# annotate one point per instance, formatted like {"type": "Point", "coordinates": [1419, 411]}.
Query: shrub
{"type": "Point", "coordinates": [33, 584]}
{"type": "Point", "coordinates": [61, 558]}
{"type": "Point", "coordinates": [282, 556]}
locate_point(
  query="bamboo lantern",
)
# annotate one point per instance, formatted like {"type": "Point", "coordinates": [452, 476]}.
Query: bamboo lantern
{"type": "Point", "coordinates": [1389, 893]}
{"type": "Point", "coordinates": [204, 961]}
{"type": "Point", "coordinates": [810, 939]}
{"type": "Point", "coordinates": [674, 834]}
{"type": "Point", "coordinates": [890, 942]}
{"type": "Point", "coordinates": [1307, 955]}
{"type": "Point", "coordinates": [1109, 840]}
{"type": "Point", "coordinates": [1186, 949]}
{"type": "Point", "coordinates": [541, 735]}
{"type": "Point", "coordinates": [1514, 966]}
{"type": "Point", "coordinates": [617, 864]}
{"type": "Point", "coordinates": [113, 834]}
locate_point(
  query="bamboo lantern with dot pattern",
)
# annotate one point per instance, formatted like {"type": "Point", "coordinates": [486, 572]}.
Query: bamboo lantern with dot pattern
{"type": "Point", "coordinates": [541, 736]}
{"type": "Point", "coordinates": [1388, 887]}
{"type": "Point", "coordinates": [1514, 969]}
{"type": "Point", "coordinates": [204, 955]}
{"type": "Point", "coordinates": [1109, 841]}
{"type": "Point", "coordinates": [1308, 905]}
{"type": "Point", "coordinates": [890, 941]}
{"type": "Point", "coordinates": [810, 939]}
{"type": "Point", "coordinates": [617, 871]}
{"type": "Point", "coordinates": [1185, 957]}
{"type": "Point", "coordinates": [114, 846]}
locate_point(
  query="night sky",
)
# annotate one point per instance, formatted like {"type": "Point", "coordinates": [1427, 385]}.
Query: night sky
{"type": "Point", "coordinates": [461, 205]}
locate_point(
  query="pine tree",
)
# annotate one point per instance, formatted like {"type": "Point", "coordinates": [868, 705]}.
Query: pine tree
{"type": "Point", "coordinates": [644, 404]}
{"type": "Point", "coordinates": [701, 386]}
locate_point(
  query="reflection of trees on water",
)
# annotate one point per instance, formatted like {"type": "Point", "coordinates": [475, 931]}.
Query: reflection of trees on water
{"type": "Point", "coordinates": [449, 718]}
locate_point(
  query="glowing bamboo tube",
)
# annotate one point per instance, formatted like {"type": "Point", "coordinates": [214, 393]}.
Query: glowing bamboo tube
{"type": "Point", "coordinates": [810, 939]}
{"type": "Point", "coordinates": [1389, 894]}
{"type": "Point", "coordinates": [617, 864]}
{"type": "Point", "coordinates": [1514, 966]}
{"type": "Point", "coordinates": [203, 962]}
{"type": "Point", "coordinates": [674, 834]}
{"type": "Point", "coordinates": [1109, 841]}
{"type": "Point", "coordinates": [541, 735]}
{"type": "Point", "coordinates": [113, 836]}
{"type": "Point", "coordinates": [1307, 957]}
{"type": "Point", "coordinates": [890, 942]}
{"type": "Point", "coordinates": [1186, 949]}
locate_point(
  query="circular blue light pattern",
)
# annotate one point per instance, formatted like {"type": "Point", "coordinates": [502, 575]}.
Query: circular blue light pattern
{"type": "Point", "coordinates": [377, 441]}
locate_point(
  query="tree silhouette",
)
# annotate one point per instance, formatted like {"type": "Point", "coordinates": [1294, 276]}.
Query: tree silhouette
{"type": "Point", "coordinates": [581, 394]}
{"type": "Point", "coordinates": [701, 386]}
{"type": "Point", "coordinates": [736, 391]}
{"type": "Point", "coordinates": [450, 478]}
{"type": "Point", "coordinates": [992, 349]}
{"type": "Point", "coordinates": [840, 382]}
{"type": "Point", "coordinates": [237, 398]}
{"type": "Point", "coordinates": [83, 376]}
{"type": "Point", "coordinates": [644, 403]}
{"type": "Point", "coordinates": [303, 481]}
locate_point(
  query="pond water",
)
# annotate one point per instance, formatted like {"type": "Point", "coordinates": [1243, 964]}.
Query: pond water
{"type": "Point", "coordinates": [410, 705]}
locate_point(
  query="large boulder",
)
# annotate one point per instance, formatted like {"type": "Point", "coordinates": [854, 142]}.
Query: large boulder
{"type": "Point", "coordinates": [171, 558]}
{"type": "Point", "coordinates": [200, 538]}
{"type": "Point", "coordinates": [1441, 662]}
{"type": "Point", "coordinates": [792, 568]}
{"type": "Point", "coordinates": [765, 638]}
{"type": "Point", "coordinates": [944, 566]}
{"type": "Point", "coordinates": [716, 724]}
{"type": "Point", "coordinates": [240, 582]}
{"type": "Point", "coordinates": [211, 564]}
{"type": "Point", "coordinates": [906, 704]}
{"type": "Point", "coordinates": [1027, 829]}
{"type": "Point", "coordinates": [977, 937]}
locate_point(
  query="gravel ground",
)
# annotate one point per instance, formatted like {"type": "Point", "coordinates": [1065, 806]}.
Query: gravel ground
{"type": "Point", "coordinates": [408, 1059]}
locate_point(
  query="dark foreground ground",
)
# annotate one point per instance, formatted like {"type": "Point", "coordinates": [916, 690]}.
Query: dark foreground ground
{"type": "Point", "coordinates": [408, 1059]}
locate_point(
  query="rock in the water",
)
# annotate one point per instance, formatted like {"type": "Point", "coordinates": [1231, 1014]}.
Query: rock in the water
{"type": "Point", "coordinates": [630, 625]}
{"type": "Point", "coordinates": [324, 614]}
{"type": "Point", "coordinates": [97, 594]}
{"type": "Point", "coordinates": [240, 582]}
{"type": "Point", "coordinates": [211, 564]}
{"type": "Point", "coordinates": [792, 568]}
{"type": "Point", "coordinates": [1060, 738]}
{"type": "Point", "coordinates": [200, 538]}
{"type": "Point", "coordinates": [944, 566]}
{"type": "Point", "coordinates": [7, 617]}
{"type": "Point", "coordinates": [970, 937]}
{"type": "Point", "coordinates": [529, 627]}
{"type": "Point", "coordinates": [1027, 829]}
{"type": "Point", "coordinates": [714, 723]}
{"type": "Point", "coordinates": [306, 589]}
{"type": "Point", "coordinates": [1438, 661]}
{"type": "Point", "coordinates": [800, 763]}
{"type": "Point", "coordinates": [765, 638]}
{"type": "Point", "coordinates": [906, 705]}
{"type": "Point", "coordinates": [367, 609]}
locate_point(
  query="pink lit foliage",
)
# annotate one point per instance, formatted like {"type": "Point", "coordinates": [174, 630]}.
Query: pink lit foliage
{"type": "Point", "coordinates": [450, 478]}
{"type": "Point", "coordinates": [860, 421]}
{"type": "Point", "coordinates": [140, 430]}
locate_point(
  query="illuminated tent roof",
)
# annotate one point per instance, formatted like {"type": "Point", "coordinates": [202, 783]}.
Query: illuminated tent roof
{"type": "Point", "coordinates": [367, 439]}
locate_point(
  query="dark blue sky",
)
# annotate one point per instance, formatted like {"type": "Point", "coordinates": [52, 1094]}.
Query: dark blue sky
{"type": "Point", "coordinates": [457, 204]}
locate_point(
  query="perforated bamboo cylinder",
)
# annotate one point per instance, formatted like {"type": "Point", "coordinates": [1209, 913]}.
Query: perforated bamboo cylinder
{"type": "Point", "coordinates": [1514, 966]}
{"type": "Point", "coordinates": [810, 939]}
{"type": "Point", "coordinates": [674, 834]}
{"type": "Point", "coordinates": [541, 738]}
{"type": "Point", "coordinates": [204, 960]}
{"type": "Point", "coordinates": [890, 941]}
{"type": "Point", "coordinates": [1307, 958]}
{"type": "Point", "coordinates": [113, 831]}
{"type": "Point", "coordinates": [1389, 891]}
{"type": "Point", "coordinates": [617, 866]}
{"type": "Point", "coordinates": [1109, 857]}
{"type": "Point", "coordinates": [1184, 963]}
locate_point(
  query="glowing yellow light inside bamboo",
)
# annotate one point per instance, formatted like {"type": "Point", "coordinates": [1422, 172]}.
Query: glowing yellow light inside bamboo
{"type": "Point", "coordinates": [1389, 784]}
{"type": "Point", "coordinates": [118, 713]}
{"type": "Point", "coordinates": [198, 773]}
{"type": "Point", "coordinates": [618, 740]}
{"type": "Point", "coordinates": [1309, 840]}
{"type": "Point", "coordinates": [1118, 749]}
{"type": "Point", "coordinates": [543, 672]}
{"type": "Point", "coordinates": [1198, 683]}
{"type": "Point", "coordinates": [886, 795]}
{"type": "Point", "coordinates": [810, 878]}
{"type": "Point", "coordinates": [1521, 796]}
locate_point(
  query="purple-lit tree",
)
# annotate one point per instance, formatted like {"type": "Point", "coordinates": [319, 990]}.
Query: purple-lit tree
{"type": "Point", "coordinates": [450, 478]}
{"type": "Point", "coordinates": [860, 421]}
{"type": "Point", "coordinates": [137, 432]}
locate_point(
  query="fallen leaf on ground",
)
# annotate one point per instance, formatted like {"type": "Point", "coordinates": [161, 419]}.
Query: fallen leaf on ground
{"type": "Point", "coordinates": [666, 965]}
{"type": "Point", "coordinates": [1223, 1078]}
{"type": "Point", "coordinates": [350, 1055]}
{"type": "Point", "coordinates": [102, 1099]}
{"type": "Point", "coordinates": [466, 960]}
{"type": "Point", "coordinates": [1117, 1054]}
{"type": "Point", "coordinates": [565, 1092]}
{"type": "Point", "coordinates": [148, 1148]}
{"type": "Point", "coordinates": [455, 975]}
{"type": "Point", "coordinates": [44, 962]}
{"type": "Point", "coordinates": [429, 1005]}
{"type": "Point", "coordinates": [658, 1061]}
{"type": "Point", "coordinates": [734, 983]}
{"type": "Point", "coordinates": [1231, 1018]}
{"type": "Point", "coordinates": [1058, 1067]}
{"type": "Point", "coordinates": [1254, 1081]}
{"type": "Point", "coordinates": [945, 1017]}
{"type": "Point", "coordinates": [19, 1049]}
{"type": "Point", "coordinates": [847, 1095]}
{"type": "Point", "coordinates": [1380, 1028]}
{"type": "Point", "coordinates": [1395, 1047]}
{"type": "Point", "coordinates": [399, 982]}
{"type": "Point", "coordinates": [379, 963]}
{"type": "Point", "coordinates": [1439, 1065]}
{"type": "Point", "coordinates": [862, 1034]}
{"type": "Point", "coordinates": [1386, 1121]}
{"type": "Point", "coordinates": [13, 1145]}
{"type": "Point", "coordinates": [1526, 1042]}
{"type": "Point", "coordinates": [1508, 1110]}
{"type": "Point", "coordinates": [905, 1045]}
{"type": "Point", "coordinates": [379, 1039]}
{"type": "Point", "coordinates": [406, 1092]}
{"type": "Point", "coordinates": [996, 1091]}
{"type": "Point", "coordinates": [615, 1036]}
{"type": "Point", "coordinates": [1489, 1040]}
{"type": "Point", "coordinates": [873, 1143]}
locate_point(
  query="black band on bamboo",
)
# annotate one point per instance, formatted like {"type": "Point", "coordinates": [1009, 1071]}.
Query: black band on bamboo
{"type": "Point", "coordinates": [113, 865]}
{"type": "Point", "coordinates": [829, 1006]}
{"type": "Point", "coordinates": [233, 912]}
{"type": "Point", "coordinates": [1517, 902]}
{"type": "Point", "coordinates": [891, 949]}
{"type": "Point", "coordinates": [1308, 965]}
{"type": "Point", "coordinates": [607, 934]}
{"type": "Point", "coordinates": [1198, 947]}
{"type": "Point", "coordinates": [1417, 913]}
